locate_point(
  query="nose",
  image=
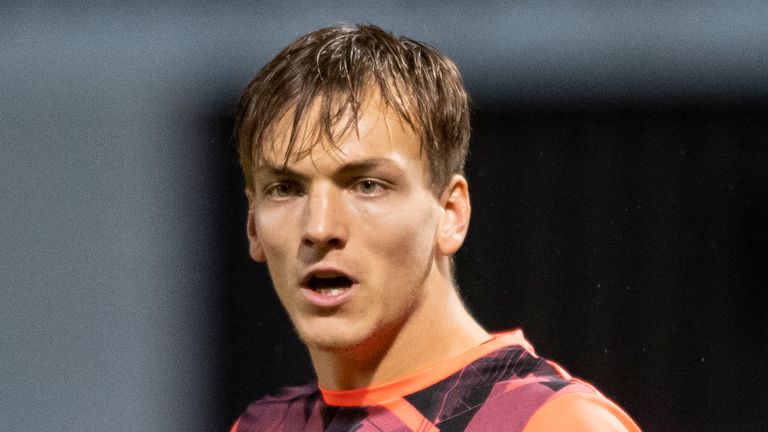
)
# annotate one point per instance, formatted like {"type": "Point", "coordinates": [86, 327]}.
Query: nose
{"type": "Point", "coordinates": [324, 219]}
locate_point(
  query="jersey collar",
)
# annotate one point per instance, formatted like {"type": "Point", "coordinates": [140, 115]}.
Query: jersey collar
{"type": "Point", "coordinates": [423, 378]}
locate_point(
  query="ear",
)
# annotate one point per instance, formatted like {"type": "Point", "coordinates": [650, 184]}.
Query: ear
{"type": "Point", "coordinates": [254, 245]}
{"type": "Point", "coordinates": [455, 204]}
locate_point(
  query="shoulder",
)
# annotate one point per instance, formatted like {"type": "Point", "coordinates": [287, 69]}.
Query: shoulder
{"type": "Point", "coordinates": [539, 395]}
{"type": "Point", "coordinates": [580, 411]}
{"type": "Point", "coordinates": [533, 404]}
{"type": "Point", "coordinates": [292, 404]}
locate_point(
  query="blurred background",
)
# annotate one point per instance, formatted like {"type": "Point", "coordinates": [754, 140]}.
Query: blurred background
{"type": "Point", "coordinates": [619, 172]}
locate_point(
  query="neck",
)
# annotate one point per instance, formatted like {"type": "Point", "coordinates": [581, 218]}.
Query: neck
{"type": "Point", "coordinates": [439, 328]}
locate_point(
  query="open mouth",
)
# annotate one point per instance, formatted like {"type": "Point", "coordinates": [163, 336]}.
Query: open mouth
{"type": "Point", "coordinates": [329, 285]}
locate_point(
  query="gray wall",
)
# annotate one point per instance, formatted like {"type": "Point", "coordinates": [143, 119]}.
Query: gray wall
{"type": "Point", "coordinates": [105, 319]}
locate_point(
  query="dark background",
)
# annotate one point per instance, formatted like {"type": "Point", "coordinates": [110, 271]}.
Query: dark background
{"type": "Point", "coordinates": [618, 172]}
{"type": "Point", "coordinates": [629, 243]}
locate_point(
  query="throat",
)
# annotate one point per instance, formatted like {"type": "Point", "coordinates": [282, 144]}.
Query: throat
{"type": "Point", "coordinates": [398, 349]}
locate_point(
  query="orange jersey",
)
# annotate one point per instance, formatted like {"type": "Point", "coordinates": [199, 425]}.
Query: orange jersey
{"type": "Point", "coordinates": [501, 385]}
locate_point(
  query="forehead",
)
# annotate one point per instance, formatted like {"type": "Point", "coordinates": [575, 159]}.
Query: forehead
{"type": "Point", "coordinates": [379, 131]}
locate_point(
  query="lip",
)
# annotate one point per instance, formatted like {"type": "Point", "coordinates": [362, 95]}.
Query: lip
{"type": "Point", "coordinates": [323, 301]}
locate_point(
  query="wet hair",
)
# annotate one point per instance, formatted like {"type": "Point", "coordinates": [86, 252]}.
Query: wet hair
{"type": "Point", "coordinates": [335, 70]}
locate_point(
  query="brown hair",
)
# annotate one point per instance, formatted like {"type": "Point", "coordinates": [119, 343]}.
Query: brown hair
{"type": "Point", "coordinates": [340, 66]}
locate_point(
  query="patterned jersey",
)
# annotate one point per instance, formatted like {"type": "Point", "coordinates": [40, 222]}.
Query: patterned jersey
{"type": "Point", "coordinates": [501, 385]}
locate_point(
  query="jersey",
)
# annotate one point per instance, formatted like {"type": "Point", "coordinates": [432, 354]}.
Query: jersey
{"type": "Point", "coordinates": [500, 385]}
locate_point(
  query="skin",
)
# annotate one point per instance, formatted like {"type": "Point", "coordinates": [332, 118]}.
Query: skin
{"type": "Point", "coordinates": [364, 209]}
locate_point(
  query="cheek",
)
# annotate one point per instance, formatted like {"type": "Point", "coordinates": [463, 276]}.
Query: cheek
{"type": "Point", "coordinates": [274, 230]}
{"type": "Point", "coordinates": [274, 226]}
{"type": "Point", "coordinates": [403, 234]}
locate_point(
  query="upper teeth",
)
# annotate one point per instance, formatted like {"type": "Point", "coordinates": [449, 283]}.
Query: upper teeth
{"type": "Point", "coordinates": [330, 291]}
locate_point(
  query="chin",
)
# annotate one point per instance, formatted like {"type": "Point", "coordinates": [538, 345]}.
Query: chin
{"type": "Point", "coordinates": [342, 336]}
{"type": "Point", "coordinates": [331, 335]}
{"type": "Point", "coordinates": [330, 342]}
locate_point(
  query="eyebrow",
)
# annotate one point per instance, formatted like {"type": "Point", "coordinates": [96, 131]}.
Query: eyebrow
{"type": "Point", "coordinates": [268, 170]}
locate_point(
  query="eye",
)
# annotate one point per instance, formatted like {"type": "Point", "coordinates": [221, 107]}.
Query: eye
{"type": "Point", "coordinates": [283, 190]}
{"type": "Point", "coordinates": [369, 187]}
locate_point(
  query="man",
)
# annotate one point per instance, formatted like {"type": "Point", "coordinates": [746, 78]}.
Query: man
{"type": "Point", "coordinates": [353, 143]}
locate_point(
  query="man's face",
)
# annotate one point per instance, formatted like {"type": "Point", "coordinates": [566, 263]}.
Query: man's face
{"type": "Point", "coordinates": [349, 235]}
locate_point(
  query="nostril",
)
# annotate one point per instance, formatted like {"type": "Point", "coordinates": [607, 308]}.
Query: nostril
{"type": "Point", "coordinates": [333, 242]}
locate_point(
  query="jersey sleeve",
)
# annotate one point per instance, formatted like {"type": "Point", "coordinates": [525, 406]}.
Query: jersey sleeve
{"type": "Point", "coordinates": [580, 412]}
